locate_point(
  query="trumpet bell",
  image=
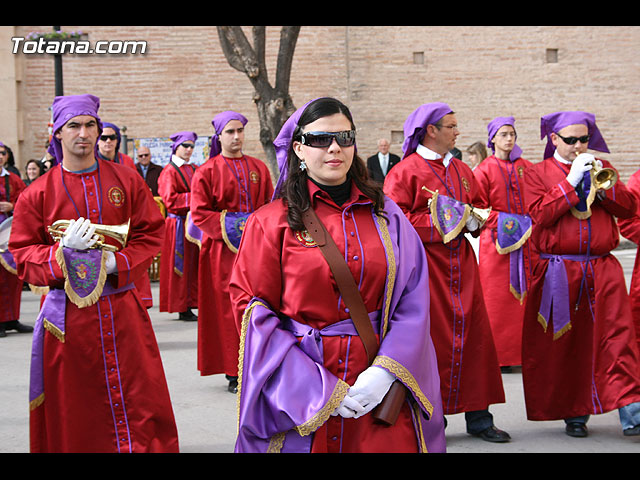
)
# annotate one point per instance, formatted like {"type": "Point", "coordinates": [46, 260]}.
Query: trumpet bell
{"type": "Point", "coordinates": [120, 233]}
{"type": "Point", "coordinates": [603, 178]}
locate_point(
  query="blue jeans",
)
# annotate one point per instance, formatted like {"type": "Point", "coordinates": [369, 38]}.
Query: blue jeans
{"type": "Point", "coordinates": [629, 416]}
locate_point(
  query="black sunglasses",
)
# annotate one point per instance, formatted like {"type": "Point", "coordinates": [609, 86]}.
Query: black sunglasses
{"type": "Point", "coordinates": [104, 138]}
{"type": "Point", "coordinates": [346, 138]}
{"type": "Point", "coordinates": [187, 145]}
{"type": "Point", "coordinates": [574, 140]}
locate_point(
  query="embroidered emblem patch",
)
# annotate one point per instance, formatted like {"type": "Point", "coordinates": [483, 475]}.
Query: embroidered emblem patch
{"type": "Point", "coordinates": [115, 195]}
{"type": "Point", "coordinates": [520, 171]}
{"type": "Point", "coordinates": [465, 184]}
{"type": "Point", "coordinates": [254, 176]}
{"type": "Point", "coordinates": [510, 226]}
{"type": "Point", "coordinates": [305, 239]}
{"type": "Point", "coordinates": [86, 272]}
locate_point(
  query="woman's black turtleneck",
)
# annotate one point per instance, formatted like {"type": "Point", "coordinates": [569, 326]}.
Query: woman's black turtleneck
{"type": "Point", "coordinates": [338, 193]}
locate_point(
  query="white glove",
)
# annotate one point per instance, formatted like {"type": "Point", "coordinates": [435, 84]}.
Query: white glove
{"type": "Point", "coordinates": [472, 223]}
{"type": "Point", "coordinates": [582, 163]}
{"type": "Point", "coordinates": [348, 408]}
{"type": "Point", "coordinates": [370, 388]}
{"type": "Point", "coordinates": [79, 234]}
{"type": "Point", "coordinates": [110, 263]}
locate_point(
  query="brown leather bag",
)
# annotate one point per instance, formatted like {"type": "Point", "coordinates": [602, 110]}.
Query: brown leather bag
{"type": "Point", "coordinates": [388, 410]}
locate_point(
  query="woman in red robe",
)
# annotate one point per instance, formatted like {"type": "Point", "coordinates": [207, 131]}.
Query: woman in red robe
{"type": "Point", "coordinates": [306, 382]}
{"type": "Point", "coordinates": [97, 380]}
{"type": "Point", "coordinates": [505, 268]}
{"type": "Point", "coordinates": [225, 190]}
{"type": "Point", "coordinates": [179, 257]}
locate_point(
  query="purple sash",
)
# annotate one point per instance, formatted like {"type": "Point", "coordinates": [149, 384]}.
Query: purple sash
{"type": "Point", "coordinates": [178, 251]}
{"type": "Point", "coordinates": [512, 232]}
{"type": "Point", "coordinates": [232, 224]}
{"type": "Point", "coordinates": [311, 342]}
{"type": "Point", "coordinates": [52, 319]}
{"type": "Point", "coordinates": [555, 292]}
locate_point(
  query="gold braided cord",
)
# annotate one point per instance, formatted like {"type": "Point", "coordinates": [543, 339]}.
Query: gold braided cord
{"type": "Point", "coordinates": [392, 270]}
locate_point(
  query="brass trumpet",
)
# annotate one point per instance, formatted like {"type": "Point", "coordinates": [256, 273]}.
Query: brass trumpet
{"type": "Point", "coordinates": [118, 232]}
{"type": "Point", "coordinates": [603, 178]}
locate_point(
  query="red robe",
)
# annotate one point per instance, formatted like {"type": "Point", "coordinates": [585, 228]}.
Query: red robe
{"type": "Point", "coordinates": [222, 184]}
{"type": "Point", "coordinates": [178, 291]}
{"type": "Point", "coordinates": [10, 284]}
{"type": "Point", "coordinates": [143, 284]}
{"type": "Point", "coordinates": [469, 373]}
{"type": "Point", "coordinates": [282, 268]}
{"type": "Point", "coordinates": [630, 229]}
{"type": "Point", "coordinates": [104, 386]}
{"type": "Point", "coordinates": [500, 186]}
{"type": "Point", "coordinates": [592, 366]}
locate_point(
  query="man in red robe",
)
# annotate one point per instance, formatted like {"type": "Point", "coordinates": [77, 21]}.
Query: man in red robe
{"type": "Point", "coordinates": [579, 355]}
{"type": "Point", "coordinates": [179, 257]}
{"type": "Point", "coordinates": [469, 372]}
{"type": "Point", "coordinates": [97, 382]}
{"type": "Point", "coordinates": [630, 229]}
{"type": "Point", "coordinates": [225, 190]}
{"type": "Point", "coordinates": [504, 253]}
{"type": "Point", "coordinates": [11, 185]}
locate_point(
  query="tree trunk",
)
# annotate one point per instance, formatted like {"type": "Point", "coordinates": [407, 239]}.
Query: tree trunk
{"type": "Point", "coordinates": [273, 103]}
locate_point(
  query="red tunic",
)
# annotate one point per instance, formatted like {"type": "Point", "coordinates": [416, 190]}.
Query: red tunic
{"type": "Point", "coordinates": [500, 186]}
{"type": "Point", "coordinates": [143, 284]}
{"type": "Point", "coordinates": [593, 366]}
{"type": "Point", "coordinates": [10, 284]}
{"type": "Point", "coordinates": [630, 229]}
{"type": "Point", "coordinates": [285, 272]}
{"type": "Point", "coordinates": [178, 291]}
{"type": "Point", "coordinates": [104, 386]}
{"type": "Point", "coordinates": [469, 373]}
{"type": "Point", "coordinates": [235, 185]}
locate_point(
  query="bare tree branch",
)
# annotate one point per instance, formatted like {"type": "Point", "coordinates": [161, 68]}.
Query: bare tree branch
{"type": "Point", "coordinates": [274, 105]}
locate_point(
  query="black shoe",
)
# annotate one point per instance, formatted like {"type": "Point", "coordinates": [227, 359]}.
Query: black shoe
{"type": "Point", "coordinates": [233, 386]}
{"type": "Point", "coordinates": [17, 326]}
{"type": "Point", "coordinates": [629, 432]}
{"type": "Point", "coordinates": [188, 316]}
{"type": "Point", "coordinates": [3, 332]}
{"type": "Point", "coordinates": [576, 429]}
{"type": "Point", "coordinates": [493, 434]}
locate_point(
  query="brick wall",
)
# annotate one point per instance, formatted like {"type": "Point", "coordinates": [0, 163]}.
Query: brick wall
{"type": "Point", "coordinates": [383, 73]}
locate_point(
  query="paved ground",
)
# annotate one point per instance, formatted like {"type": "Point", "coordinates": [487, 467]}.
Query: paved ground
{"type": "Point", "coordinates": [206, 413]}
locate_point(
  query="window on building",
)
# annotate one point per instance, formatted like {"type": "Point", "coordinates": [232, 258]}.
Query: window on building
{"type": "Point", "coordinates": [552, 55]}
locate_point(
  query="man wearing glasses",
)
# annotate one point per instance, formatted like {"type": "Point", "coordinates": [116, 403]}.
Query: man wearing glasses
{"type": "Point", "coordinates": [580, 355]}
{"type": "Point", "coordinates": [109, 146]}
{"type": "Point", "coordinates": [467, 360]}
{"type": "Point", "coordinates": [148, 170]}
{"type": "Point", "coordinates": [226, 190]}
{"type": "Point", "coordinates": [179, 257]}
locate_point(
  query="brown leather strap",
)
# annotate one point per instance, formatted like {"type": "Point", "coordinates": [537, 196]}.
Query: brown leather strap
{"type": "Point", "coordinates": [344, 279]}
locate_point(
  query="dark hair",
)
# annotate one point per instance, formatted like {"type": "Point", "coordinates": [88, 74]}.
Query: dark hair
{"type": "Point", "coordinates": [294, 189]}
{"type": "Point", "coordinates": [39, 164]}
